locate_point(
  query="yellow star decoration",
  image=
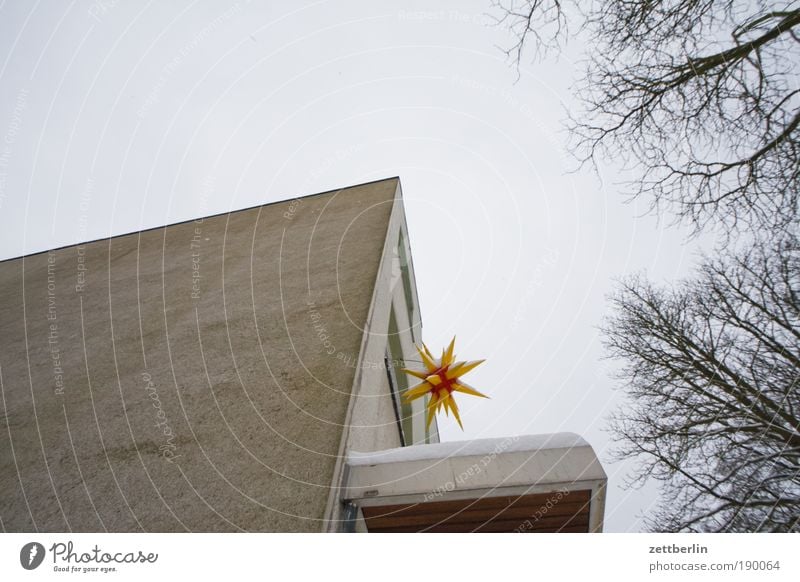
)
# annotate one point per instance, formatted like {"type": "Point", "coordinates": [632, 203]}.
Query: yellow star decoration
{"type": "Point", "coordinates": [441, 378]}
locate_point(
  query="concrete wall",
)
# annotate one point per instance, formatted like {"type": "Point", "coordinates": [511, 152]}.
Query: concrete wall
{"type": "Point", "coordinates": [372, 423]}
{"type": "Point", "coordinates": [195, 377]}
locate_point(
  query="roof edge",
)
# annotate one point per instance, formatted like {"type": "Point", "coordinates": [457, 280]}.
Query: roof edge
{"type": "Point", "coordinates": [188, 220]}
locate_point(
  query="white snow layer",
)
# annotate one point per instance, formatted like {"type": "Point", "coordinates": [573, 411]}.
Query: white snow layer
{"type": "Point", "coordinates": [478, 447]}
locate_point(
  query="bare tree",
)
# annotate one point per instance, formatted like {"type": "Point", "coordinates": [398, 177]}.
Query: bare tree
{"type": "Point", "coordinates": [536, 24]}
{"type": "Point", "coordinates": [712, 372]}
{"type": "Point", "coordinates": [699, 97]}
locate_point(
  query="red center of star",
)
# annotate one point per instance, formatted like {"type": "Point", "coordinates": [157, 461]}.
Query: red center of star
{"type": "Point", "coordinates": [446, 384]}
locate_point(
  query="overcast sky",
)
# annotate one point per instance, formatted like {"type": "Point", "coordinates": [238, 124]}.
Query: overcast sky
{"type": "Point", "coordinates": [118, 116]}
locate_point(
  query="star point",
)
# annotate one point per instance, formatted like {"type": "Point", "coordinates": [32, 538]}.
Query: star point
{"type": "Point", "coordinates": [441, 378]}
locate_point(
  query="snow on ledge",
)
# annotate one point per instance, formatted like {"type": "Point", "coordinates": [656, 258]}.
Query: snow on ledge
{"type": "Point", "coordinates": [478, 447]}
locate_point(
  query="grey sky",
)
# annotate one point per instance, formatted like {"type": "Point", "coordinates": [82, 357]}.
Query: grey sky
{"type": "Point", "coordinates": [117, 116]}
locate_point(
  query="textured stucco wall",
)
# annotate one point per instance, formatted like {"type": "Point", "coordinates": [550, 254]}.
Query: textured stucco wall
{"type": "Point", "coordinates": [372, 423]}
{"type": "Point", "coordinates": [207, 404]}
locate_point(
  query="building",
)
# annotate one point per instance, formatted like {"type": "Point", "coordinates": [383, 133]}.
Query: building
{"type": "Point", "coordinates": [238, 373]}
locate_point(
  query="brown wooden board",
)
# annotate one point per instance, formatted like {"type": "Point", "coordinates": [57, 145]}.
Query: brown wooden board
{"type": "Point", "coordinates": [542, 512]}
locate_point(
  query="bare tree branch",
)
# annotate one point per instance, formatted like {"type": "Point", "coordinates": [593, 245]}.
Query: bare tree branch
{"type": "Point", "coordinates": [712, 371]}
{"type": "Point", "coordinates": [700, 97]}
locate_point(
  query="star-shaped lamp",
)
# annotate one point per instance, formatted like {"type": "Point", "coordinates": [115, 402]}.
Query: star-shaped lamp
{"type": "Point", "coordinates": [440, 379]}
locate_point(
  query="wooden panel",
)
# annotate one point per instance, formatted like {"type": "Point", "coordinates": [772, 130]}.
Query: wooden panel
{"type": "Point", "coordinates": [500, 527]}
{"type": "Point", "coordinates": [528, 513]}
{"type": "Point", "coordinates": [475, 514]}
{"type": "Point", "coordinates": [539, 500]}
